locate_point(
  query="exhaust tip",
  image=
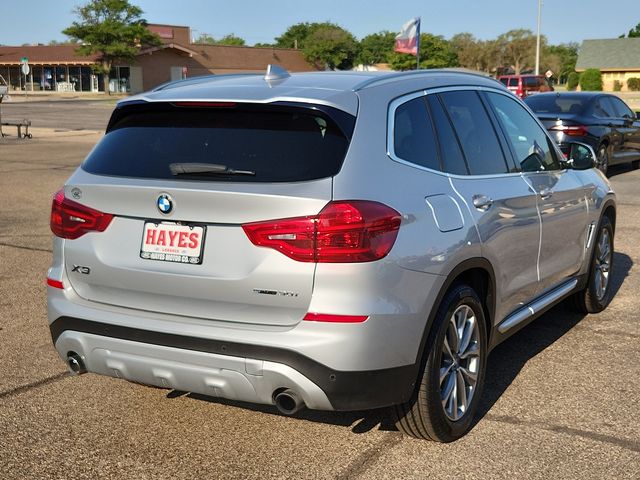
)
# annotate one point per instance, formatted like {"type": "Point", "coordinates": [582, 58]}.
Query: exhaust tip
{"type": "Point", "coordinates": [75, 364]}
{"type": "Point", "coordinates": [288, 402]}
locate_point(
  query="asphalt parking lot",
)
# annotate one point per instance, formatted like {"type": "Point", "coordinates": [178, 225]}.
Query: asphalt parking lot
{"type": "Point", "coordinates": [561, 401]}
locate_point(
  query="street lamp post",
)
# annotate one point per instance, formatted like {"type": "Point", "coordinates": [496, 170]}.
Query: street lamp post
{"type": "Point", "coordinates": [538, 39]}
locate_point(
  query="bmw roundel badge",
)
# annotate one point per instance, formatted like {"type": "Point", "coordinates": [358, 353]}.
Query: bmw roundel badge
{"type": "Point", "coordinates": [164, 203]}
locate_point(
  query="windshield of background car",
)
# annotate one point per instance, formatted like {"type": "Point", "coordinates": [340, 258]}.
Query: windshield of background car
{"type": "Point", "coordinates": [279, 144]}
{"type": "Point", "coordinates": [556, 103]}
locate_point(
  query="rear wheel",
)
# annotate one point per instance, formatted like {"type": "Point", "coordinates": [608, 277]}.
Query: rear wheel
{"type": "Point", "coordinates": [603, 158]}
{"type": "Point", "coordinates": [443, 407]}
{"type": "Point", "coordinates": [635, 164]}
{"type": "Point", "coordinates": [597, 294]}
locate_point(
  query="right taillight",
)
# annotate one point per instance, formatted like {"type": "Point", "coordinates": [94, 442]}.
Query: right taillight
{"type": "Point", "coordinates": [343, 231]}
{"type": "Point", "coordinates": [71, 220]}
{"type": "Point", "coordinates": [571, 130]}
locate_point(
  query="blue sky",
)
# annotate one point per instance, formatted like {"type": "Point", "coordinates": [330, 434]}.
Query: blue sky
{"type": "Point", "coordinates": [262, 20]}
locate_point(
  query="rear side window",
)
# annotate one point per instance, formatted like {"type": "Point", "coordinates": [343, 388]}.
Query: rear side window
{"type": "Point", "coordinates": [475, 131]}
{"type": "Point", "coordinates": [278, 144]}
{"type": "Point", "coordinates": [413, 137]}
{"type": "Point", "coordinates": [513, 82]}
{"type": "Point", "coordinates": [531, 146]}
{"type": "Point", "coordinates": [504, 80]}
{"type": "Point", "coordinates": [532, 81]}
{"type": "Point", "coordinates": [622, 109]}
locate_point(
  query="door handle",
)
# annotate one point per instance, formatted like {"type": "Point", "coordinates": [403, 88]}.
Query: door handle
{"type": "Point", "coordinates": [482, 202]}
{"type": "Point", "coordinates": [545, 193]}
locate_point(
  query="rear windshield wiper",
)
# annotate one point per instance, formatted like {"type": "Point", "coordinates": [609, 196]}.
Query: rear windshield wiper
{"type": "Point", "coordinates": [206, 168]}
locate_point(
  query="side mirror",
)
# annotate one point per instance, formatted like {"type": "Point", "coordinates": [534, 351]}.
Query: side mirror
{"type": "Point", "coordinates": [581, 156]}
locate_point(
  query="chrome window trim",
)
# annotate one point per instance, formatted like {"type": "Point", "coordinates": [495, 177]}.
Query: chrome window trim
{"type": "Point", "coordinates": [391, 111]}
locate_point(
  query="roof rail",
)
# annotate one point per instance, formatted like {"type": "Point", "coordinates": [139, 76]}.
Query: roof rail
{"type": "Point", "coordinates": [411, 73]}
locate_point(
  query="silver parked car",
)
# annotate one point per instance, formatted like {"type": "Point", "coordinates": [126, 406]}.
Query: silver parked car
{"type": "Point", "coordinates": [338, 241]}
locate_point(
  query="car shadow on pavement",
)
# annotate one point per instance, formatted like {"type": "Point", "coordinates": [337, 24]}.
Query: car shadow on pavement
{"type": "Point", "coordinates": [508, 358]}
{"type": "Point", "coordinates": [504, 364]}
{"type": "Point", "coordinates": [619, 169]}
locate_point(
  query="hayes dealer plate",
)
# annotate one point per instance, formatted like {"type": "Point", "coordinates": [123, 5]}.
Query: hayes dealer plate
{"type": "Point", "coordinates": [172, 242]}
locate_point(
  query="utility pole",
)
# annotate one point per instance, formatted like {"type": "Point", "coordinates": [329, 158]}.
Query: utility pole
{"type": "Point", "coordinates": [538, 39]}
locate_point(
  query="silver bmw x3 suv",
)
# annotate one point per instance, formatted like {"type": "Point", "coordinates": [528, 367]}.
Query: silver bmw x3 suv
{"type": "Point", "coordinates": [338, 241]}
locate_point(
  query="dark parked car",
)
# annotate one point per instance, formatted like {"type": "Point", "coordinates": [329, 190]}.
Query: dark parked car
{"type": "Point", "coordinates": [603, 121]}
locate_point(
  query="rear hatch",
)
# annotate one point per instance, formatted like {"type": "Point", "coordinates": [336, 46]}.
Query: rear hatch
{"type": "Point", "coordinates": [180, 181]}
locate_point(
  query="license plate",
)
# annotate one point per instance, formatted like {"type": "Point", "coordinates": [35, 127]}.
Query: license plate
{"type": "Point", "coordinates": [172, 242]}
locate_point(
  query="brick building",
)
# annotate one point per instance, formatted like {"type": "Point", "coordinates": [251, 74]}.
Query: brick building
{"type": "Point", "coordinates": [59, 68]}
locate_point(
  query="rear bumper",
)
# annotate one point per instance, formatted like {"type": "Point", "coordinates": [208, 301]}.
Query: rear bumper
{"type": "Point", "coordinates": [231, 370]}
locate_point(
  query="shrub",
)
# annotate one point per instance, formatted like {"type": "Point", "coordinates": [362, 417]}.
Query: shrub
{"type": "Point", "coordinates": [617, 85]}
{"type": "Point", "coordinates": [591, 80]}
{"type": "Point", "coordinates": [634, 84]}
{"type": "Point", "coordinates": [572, 80]}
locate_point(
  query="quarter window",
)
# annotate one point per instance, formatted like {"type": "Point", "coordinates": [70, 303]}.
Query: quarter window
{"type": "Point", "coordinates": [450, 153]}
{"type": "Point", "coordinates": [475, 132]}
{"type": "Point", "coordinates": [413, 137]}
{"type": "Point", "coordinates": [531, 146]}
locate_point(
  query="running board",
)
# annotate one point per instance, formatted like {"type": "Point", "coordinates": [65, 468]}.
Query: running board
{"type": "Point", "coordinates": [526, 312]}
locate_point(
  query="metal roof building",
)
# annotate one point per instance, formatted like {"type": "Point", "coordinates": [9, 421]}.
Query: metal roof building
{"type": "Point", "coordinates": [617, 59]}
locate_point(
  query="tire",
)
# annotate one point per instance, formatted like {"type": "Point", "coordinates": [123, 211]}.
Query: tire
{"type": "Point", "coordinates": [635, 164]}
{"type": "Point", "coordinates": [433, 413]}
{"type": "Point", "coordinates": [602, 156]}
{"type": "Point", "coordinates": [597, 294]}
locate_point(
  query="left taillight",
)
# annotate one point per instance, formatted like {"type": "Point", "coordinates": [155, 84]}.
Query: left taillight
{"type": "Point", "coordinates": [71, 220]}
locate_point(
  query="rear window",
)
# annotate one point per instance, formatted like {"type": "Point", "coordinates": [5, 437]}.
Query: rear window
{"type": "Point", "coordinates": [504, 80]}
{"type": "Point", "coordinates": [513, 82]}
{"type": "Point", "coordinates": [278, 144]}
{"type": "Point", "coordinates": [556, 103]}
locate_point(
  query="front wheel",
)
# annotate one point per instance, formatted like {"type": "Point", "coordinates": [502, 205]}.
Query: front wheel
{"type": "Point", "coordinates": [597, 294]}
{"type": "Point", "coordinates": [603, 158]}
{"type": "Point", "coordinates": [443, 407]}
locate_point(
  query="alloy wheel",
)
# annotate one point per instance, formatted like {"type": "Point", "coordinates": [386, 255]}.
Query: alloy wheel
{"type": "Point", "coordinates": [460, 363]}
{"type": "Point", "coordinates": [602, 264]}
{"type": "Point", "coordinates": [603, 159]}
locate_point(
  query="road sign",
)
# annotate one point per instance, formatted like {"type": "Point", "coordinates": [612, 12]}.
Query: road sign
{"type": "Point", "coordinates": [548, 74]}
{"type": "Point", "coordinates": [24, 60]}
{"type": "Point", "coordinates": [25, 68]}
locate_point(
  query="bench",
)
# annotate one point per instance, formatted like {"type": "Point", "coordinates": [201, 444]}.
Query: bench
{"type": "Point", "coordinates": [18, 124]}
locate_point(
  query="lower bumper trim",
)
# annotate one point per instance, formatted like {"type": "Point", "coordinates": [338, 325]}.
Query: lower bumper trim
{"type": "Point", "coordinates": [346, 390]}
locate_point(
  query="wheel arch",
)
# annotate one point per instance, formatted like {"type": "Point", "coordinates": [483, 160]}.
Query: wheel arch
{"type": "Point", "coordinates": [479, 274]}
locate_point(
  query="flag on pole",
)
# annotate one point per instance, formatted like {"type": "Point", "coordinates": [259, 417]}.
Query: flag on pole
{"type": "Point", "coordinates": [407, 41]}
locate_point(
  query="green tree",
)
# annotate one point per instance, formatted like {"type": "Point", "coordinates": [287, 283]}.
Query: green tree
{"type": "Point", "coordinates": [330, 46]}
{"type": "Point", "coordinates": [472, 53]}
{"type": "Point", "coordinates": [573, 80]}
{"type": "Point", "coordinates": [560, 59]}
{"type": "Point", "coordinates": [231, 39]}
{"type": "Point", "coordinates": [376, 48]}
{"type": "Point", "coordinates": [517, 48]}
{"type": "Point", "coordinates": [205, 39]}
{"type": "Point", "coordinates": [113, 29]}
{"type": "Point", "coordinates": [296, 35]}
{"type": "Point", "coordinates": [68, 41]}
{"type": "Point", "coordinates": [633, 33]}
{"type": "Point", "coordinates": [435, 52]}
{"type": "Point", "coordinates": [591, 80]}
